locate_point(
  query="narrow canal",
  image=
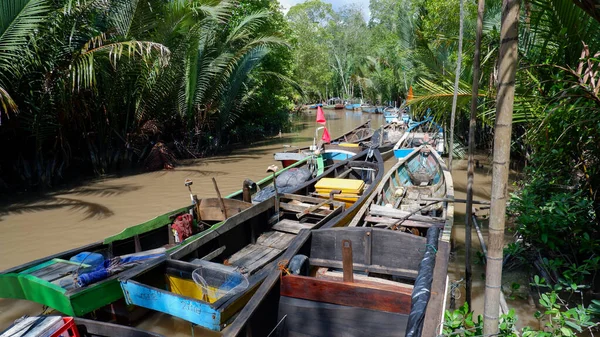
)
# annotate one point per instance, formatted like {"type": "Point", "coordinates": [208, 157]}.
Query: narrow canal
{"type": "Point", "coordinates": [37, 226]}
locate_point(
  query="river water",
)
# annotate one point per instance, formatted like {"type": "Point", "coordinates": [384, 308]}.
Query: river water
{"type": "Point", "coordinates": [40, 225]}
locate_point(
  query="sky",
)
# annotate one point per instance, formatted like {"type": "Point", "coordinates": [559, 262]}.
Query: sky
{"type": "Point", "coordinates": [336, 4]}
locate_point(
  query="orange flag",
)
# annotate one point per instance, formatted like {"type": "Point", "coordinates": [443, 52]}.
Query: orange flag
{"type": "Point", "coordinates": [410, 94]}
{"type": "Point", "coordinates": [326, 138]}
{"type": "Point", "coordinates": [320, 116]}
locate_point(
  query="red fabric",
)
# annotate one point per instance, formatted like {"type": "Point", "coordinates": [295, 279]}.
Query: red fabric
{"type": "Point", "coordinates": [183, 226]}
{"type": "Point", "coordinates": [320, 116]}
{"type": "Point", "coordinates": [326, 138]}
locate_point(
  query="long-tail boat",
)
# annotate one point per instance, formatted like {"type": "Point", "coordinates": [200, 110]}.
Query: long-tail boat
{"type": "Point", "coordinates": [340, 148]}
{"type": "Point", "coordinates": [425, 132]}
{"type": "Point", "coordinates": [69, 282]}
{"type": "Point", "coordinates": [209, 280]}
{"type": "Point", "coordinates": [57, 326]}
{"type": "Point", "coordinates": [384, 275]}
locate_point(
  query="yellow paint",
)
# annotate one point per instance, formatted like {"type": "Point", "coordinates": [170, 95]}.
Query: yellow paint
{"type": "Point", "coordinates": [348, 145]}
{"type": "Point", "coordinates": [189, 288]}
{"type": "Point", "coordinates": [347, 186]}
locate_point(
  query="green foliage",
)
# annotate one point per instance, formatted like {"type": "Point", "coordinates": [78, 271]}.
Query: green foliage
{"type": "Point", "coordinates": [101, 81]}
{"type": "Point", "coordinates": [460, 323]}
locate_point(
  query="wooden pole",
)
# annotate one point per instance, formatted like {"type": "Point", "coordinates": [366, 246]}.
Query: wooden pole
{"type": "Point", "coordinates": [347, 267]}
{"type": "Point", "coordinates": [470, 167]}
{"type": "Point", "coordinates": [456, 80]}
{"type": "Point", "coordinates": [507, 68]}
{"type": "Point", "coordinates": [223, 209]}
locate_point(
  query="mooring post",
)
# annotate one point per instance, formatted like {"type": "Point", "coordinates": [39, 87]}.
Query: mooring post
{"type": "Point", "coordinates": [347, 261]}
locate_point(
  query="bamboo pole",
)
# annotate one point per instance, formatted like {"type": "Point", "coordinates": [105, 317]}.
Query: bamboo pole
{"type": "Point", "coordinates": [456, 79]}
{"type": "Point", "coordinates": [507, 68]}
{"type": "Point", "coordinates": [472, 126]}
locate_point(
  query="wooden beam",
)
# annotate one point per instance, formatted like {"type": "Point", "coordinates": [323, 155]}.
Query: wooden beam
{"type": "Point", "coordinates": [396, 213]}
{"type": "Point", "coordinates": [348, 294]}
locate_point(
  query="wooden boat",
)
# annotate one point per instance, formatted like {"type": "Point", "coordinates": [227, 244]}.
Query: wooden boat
{"type": "Point", "coordinates": [353, 281]}
{"type": "Point", "coordinates": [57, 326]}
{"type": "Point", "coordinates": [329, 106]}
{"type": "Point", "coordinates": [391, 132]}
{"type": "Point", "coordinates": [316, 105]}
{"type": "Point", "coordinates": [352, 106]}
{"type": "Point", "coordinates": [50, 280]}
{"type": "Point", "coordinates": [239, 254]}
{"type": "Point", "coordinates": [425, 132]}
{"type": "Point", "coordinates": [340, 148]}
{"type": "Point", "coordinates": [388, 285]}
{"type": "Point", "coordinates": [90, 328]}
{"type": "Point", "coordinates": [414, 195]}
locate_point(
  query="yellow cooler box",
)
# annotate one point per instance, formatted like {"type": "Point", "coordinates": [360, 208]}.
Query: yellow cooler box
{"type": "Point", "coordinates": [351, 189]}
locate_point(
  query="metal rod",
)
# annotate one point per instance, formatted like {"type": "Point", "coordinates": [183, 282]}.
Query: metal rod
{"type": "Point", "coordinates": [479, 202]}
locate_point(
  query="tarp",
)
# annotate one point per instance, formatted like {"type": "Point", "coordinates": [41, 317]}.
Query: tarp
{"type": "Point", "coordinates": [422, 288]}
{"type": "Point", "coordinates": [111, 267]}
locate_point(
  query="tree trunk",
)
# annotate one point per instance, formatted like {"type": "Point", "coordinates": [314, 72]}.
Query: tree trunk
{"type": "Point", "coordinates": [470, 168]}
{"type": "Point", "coordinates": [457, 77]}
{"type": "Point", "coordinates": [507, 68]}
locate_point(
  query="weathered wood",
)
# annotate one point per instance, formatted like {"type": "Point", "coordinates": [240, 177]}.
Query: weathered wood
{"type": "Point", "coordinates": [229, 224]}
{"type": "Point", "coordinates": [274, 239]}
{"type": "Point", "coordinates": [364, 279]}
{"type": "Point", "coordinates": [347, 260]}
{"type": "Point", "coordinates": [210, 209]}
{"type": "Point", "coordinates": [348, 294]}
{"type": "Point", "coordinates": [265, 288]}
{"type": "Point", "coordinates": [223, 208]}
{"type": "Point", "coordinates": [405, 223]}
{"type": "Point", "coordinates": [439, 286]}
{"type": "Point", "coordinates": [396, 213]}
{"type": "Point", "coordinates": [401, 250]}
{"type": "Point", "coordinates": [213, 254]}
{"type": "Point", "coordinates": [316, 319]}
{"type": "Point", "coordinates": [291, 226]}
{"type": "Point", "coordinates": [372, 268]}
{"type": "Point", "coordinates": [253, 257]}
{"type": "Point", "coordinates": [90, 328]}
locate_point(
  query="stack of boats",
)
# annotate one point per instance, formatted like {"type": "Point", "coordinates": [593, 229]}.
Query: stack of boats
{"type": "Point", "coordinates": [328, 246]}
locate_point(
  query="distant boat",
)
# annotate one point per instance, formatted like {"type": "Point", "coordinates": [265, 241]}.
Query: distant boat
{"type": "Point", "coordinates": [352, 106]}
{"type": "Point", "coordinates": [372, 109]}
{"type": "Point", "coordinates": [425, 132]}
{"type": "Point", "coordinates": [314, 106]}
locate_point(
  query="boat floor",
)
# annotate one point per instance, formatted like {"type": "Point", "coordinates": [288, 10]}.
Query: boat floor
{"type": "Point", "coordinates": [268, 246]}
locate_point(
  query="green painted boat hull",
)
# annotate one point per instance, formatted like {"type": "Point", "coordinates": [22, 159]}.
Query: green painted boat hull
{"type": "Point", "coordinates": [18, 284]}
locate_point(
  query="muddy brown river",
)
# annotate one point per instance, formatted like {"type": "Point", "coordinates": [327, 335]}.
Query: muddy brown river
{"type": "Point", "coordinates": [38, 226]}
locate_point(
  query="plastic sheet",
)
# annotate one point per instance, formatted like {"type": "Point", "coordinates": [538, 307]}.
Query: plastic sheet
{"type": "Point", "coordinates": [287, 182]}
{"type": "Point", "coordinates": [218, 281]}
{"type": "Point", "coordinates": [422, 289]}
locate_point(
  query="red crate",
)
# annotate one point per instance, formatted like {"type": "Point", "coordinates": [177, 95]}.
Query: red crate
{"type": "Point", "coordinates": [68, 325]}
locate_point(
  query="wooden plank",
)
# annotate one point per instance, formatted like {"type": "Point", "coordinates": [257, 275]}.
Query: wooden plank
{"type": "Point", "coordinates": [397, 249]}
{"type": "Point", "coordinates": [316, 319]}
{"type": "Point", "coordinates": [278, 240]}
{"type": "Point", "coordinates": [364, 279]}
{"type": "Point", "coordinates": [250, 309]}
{"type": "Point", "coordinates": [399, 214]}
{"type": "Point", "coordinates": [437, 302]}
{"type": "Point", "coordinates": [253, 257]}
{"type": "Point", "coordinates": [406, 273]}
{"type": "Point", "coordinates": [292, 226]}
{"type": "Point", "coordinates": [348, 294]}
{"type": "Point", "coordinates": [326, 244]}
{"type": "Point", "coordinates": [214, 253]}
{"type": "Point", "coordinates": [229, 224]}
{"type": "Point", "coordinates": [347, 261]}
{"type": "Point", "coordinates": [405, 223]}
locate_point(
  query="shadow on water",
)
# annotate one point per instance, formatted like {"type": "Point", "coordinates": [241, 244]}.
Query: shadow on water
{"type": "Point", "coordinates": [59, 200]}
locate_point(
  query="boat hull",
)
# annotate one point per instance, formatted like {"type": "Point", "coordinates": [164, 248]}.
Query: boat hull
{"type": "Point", "coordinates": [142, 287]}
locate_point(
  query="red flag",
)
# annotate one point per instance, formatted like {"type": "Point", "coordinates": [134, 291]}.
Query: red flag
{"type": "Point", "coordinates": [320, 116]}
{"type": "Point", "coordinates": [326, 138]}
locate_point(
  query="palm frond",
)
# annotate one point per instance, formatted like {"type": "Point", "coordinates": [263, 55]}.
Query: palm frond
{"type": "Point", "coordinates": [248, 26]}
{"type": "Point", "coordinates": [19, 19]}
